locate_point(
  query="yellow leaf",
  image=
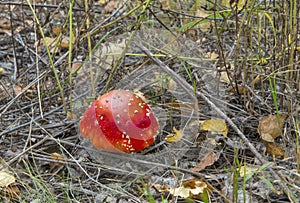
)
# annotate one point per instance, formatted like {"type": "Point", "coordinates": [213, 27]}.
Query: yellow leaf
{"type": "Point", "coordinates": [6, 179]}
{"type": "Point", "coordinates": [214, 126]}
{"type": "Point", "coordinates": [175, 137]}
{"type": "Point", "coordinates": [1, 70]}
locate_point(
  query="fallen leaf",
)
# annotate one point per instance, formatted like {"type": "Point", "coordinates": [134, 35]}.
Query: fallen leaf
{"type": "Point", "coordinates": [208, 160]}
{"type": "Point", "coordinates": [56, 30]}
{"type": "Point", "coordinates": [274, 149]}
{"type": "Point", "coordinates": [6, 179]}
{"type": "Point", "coordinates": [56, 157]}
{"type": "Point", "coordinates": [268, 127]}
{"type": "Point", "coordinates": [214, 126]}
{"type": "Point", "coordinates": [65, 41]}
{"type": "Point", "coordinates": [174, 137]}
{"type": "Point", "coordinates": [161, 188]}
{"type": "Point", "coordinates": [194, 189]}
{"type": "Point", "coordinates": [1, 70]}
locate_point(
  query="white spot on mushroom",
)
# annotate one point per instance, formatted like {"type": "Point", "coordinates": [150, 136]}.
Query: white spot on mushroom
{"type": "Point", "coordinates": [131, 99]}
{"type": "Point", "coordinates": [129, 104]}
{"type": "Point", "coordinates": [101, 118]}
{"type": "Point", "coordinates": [136, 96]}
{"type": "Point", "coordinates": [135, 111]}
{"type": "Point", "coordinates": [148, 114]}
{"type": "Point", "coordinates": [106, 106]}
{"type": "Point", "coordinates": [100, 107]}
{"type": "Point", "coordinates": [118, 122]}
{"type": "Point", "coordinates": [125, 110]}
{"type": "Point", "coordinates": [95, 106]}
{"type": "Point", "coordinates": [118, 116]}
{"type": "Point", "coordinates": [96, 123]}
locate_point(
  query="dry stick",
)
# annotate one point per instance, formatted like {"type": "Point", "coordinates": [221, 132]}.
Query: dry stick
{"type": "Point", "coordinates": [189, 89]}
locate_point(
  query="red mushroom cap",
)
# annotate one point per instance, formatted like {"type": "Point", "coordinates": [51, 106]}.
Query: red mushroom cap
{"type": "Point", "coordinates": [119, 121]}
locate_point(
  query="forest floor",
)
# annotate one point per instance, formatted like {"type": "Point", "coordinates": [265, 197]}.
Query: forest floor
{"type": "Point", "coordinates": [222, 78]}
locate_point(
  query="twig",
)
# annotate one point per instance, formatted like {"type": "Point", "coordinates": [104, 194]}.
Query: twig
{"type": "Point", "coordinates": [189, 89]}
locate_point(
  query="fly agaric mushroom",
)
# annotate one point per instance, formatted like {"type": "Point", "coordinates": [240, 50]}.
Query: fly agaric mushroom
{"type": "Point", "coordinates": [119, 121]}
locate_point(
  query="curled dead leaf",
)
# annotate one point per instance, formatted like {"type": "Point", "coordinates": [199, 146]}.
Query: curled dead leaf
{"type": "Point", "coordinates": [269, 127]}
{"type": "Point", "coordinates": [57, 158]}
{"type": "Point", "coordinates": [208, 160]}
{"type": "Point", "coordinates": [194, 189]}
{"type": "Point", "coordinates": [274, 149]}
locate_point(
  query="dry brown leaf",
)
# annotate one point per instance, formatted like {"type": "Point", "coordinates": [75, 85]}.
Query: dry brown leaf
{"type": "Point", "coordinates": [57, 158]}
{"type": "Point", "coordinates": [65, 41]}
{"type": "Point", "coordinates": [174, 137]}
{"type": "Point", "coordinates": [208, 160]}
{"type": "Point", "coordinates": [161, 188]}
{"type": "Point", "coordinates": [56, 30]}
{"type": "Point", "coordinates": [274, 149]}
{"type": "Point", "coordinates": [214, 126]}
{"type": "Point", "coordinates": [268, 127]}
